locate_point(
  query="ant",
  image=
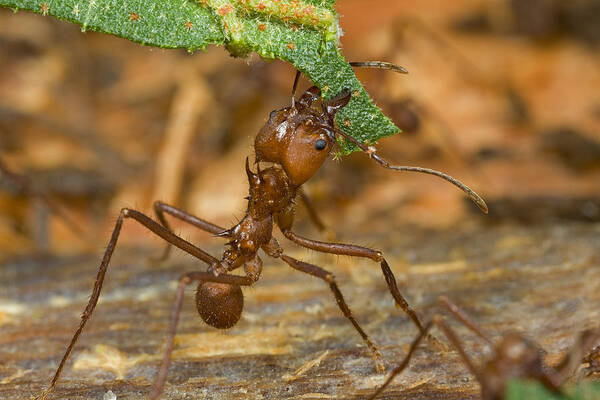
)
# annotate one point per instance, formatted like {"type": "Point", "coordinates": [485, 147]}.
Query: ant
{"type": "Point", "coordinates": [24, 185]}
{"type": "Point", "coordinates": [295, 142]}
{"type": "Point", "coordinates": [515, 357]}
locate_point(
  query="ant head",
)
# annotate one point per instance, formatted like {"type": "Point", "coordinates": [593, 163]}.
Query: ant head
{"type": "Point", "coordinates": [300, 137]}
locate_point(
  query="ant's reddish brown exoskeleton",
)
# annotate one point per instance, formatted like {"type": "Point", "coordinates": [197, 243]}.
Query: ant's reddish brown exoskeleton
{"type": "Point", "coordinates": [295, 141]}
{"type": "Point", "coordinates": [514, 357]}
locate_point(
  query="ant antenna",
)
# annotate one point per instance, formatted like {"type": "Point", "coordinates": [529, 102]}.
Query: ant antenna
{"type": "Point", "coordinates": [380, 65]}
{"type": "Point", "coordinates": [371, 151]}
{"type": "Point", "coordinates": [359, 64]}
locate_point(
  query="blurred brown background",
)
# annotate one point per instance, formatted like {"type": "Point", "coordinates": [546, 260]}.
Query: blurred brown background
{"type": "Point", "coordinates": [504, 95]}
{"type": "Point", "coordinates": [506, 101]}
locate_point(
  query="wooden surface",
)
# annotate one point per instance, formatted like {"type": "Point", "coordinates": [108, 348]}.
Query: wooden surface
{"type": "Point", "coordinates": [292, 342]}
{"type": "Point", "coordinates": [89, 115]}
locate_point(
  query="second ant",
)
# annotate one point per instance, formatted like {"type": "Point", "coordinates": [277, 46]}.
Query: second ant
{"type": "Point", "coordinates": [514, 357]}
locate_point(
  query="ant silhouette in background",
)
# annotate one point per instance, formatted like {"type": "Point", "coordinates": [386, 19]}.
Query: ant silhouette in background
{"type": "Point", "coordinates": [25, 186]}
{"type": "Point", "coordinates": [514, 357]}
{"type": "Point", "coordinates": [294, 142]}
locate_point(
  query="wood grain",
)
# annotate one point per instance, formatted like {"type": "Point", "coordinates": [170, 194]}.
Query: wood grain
{"type": "Point", "coordinates": [542, 280]}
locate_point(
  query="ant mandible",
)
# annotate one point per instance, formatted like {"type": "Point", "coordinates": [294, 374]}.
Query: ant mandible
{"type": "Point", "coordinates": [515, 357]}
{"type": "Point", "coordinates": [296, 140]}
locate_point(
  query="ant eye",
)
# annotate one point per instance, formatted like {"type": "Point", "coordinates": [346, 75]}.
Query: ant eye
{"type": "Point", "coordinates": [273, 114]}
{"type": "Point", "coordinates": [320, 144]}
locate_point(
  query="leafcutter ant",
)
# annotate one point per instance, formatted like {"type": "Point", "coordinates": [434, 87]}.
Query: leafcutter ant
{"type": "Point", "coordinates": [295, 142]}
{"type": "Point", "coordinates": [25, 186]}
{"type": "Point", "coordinates": [514, 357]}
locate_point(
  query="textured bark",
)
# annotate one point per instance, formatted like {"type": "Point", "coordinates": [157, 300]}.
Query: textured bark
{"type": "Point", "coordinates": [292, 341]}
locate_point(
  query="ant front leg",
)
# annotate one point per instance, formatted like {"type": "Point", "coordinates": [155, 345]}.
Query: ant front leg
{"type": "Point", "coordinates": [330, 279]}
{"type": "Point", "coordinates": [359, 251]}
{"type": "Point", "coordinates": [157, 229]}
{"type": "Point", "coordinates": [161, 208]}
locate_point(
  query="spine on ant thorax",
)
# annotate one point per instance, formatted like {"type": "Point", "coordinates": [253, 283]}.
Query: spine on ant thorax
{"type": "Point", "coordinates": [270, 192]}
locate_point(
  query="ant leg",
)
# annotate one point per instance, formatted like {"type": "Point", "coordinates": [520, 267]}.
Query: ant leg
{"type": "Point", "coordinates": [550, 378]}
{"type": "Point", "coordinates": [161, 208]}
{"type": "Point", "coordinates": [359, 251]}
{"type": "Point", "coordinates": [184, 280]}
{"type": "Point", "coordinates": [153, 226]}
{"type": "Point", "coordinates": [460, 315]}
{"type": "Point", "coordinates": [461, 351]}
{"type": "Point", "coordinates": [312, 212]}
{"type": "Point", "coordinates": [330, 279]}
{"type": "Point", "coordinates": [404, 362]}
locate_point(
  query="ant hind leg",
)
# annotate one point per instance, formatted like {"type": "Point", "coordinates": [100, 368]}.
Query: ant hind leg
{"type": "Point", "coordinates": [184, 280]}
{"type": "Point", "coordinates": [325, 275]}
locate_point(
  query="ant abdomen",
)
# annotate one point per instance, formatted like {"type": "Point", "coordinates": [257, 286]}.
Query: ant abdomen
{"type": "Point", "coordinates": [220, 305]}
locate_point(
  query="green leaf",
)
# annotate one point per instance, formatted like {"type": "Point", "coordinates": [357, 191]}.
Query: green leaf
{"type": "Point", "coordinates": [528, 390]}
{"type": "Point", "coordinates": [302, 32]}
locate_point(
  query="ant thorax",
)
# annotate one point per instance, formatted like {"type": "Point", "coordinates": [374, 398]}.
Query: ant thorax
{"type": "Point", "coordinates": [270, 192]}
{"type": "Point", "coordinates": [296, 141]}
